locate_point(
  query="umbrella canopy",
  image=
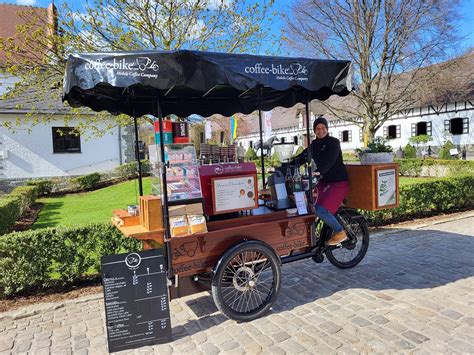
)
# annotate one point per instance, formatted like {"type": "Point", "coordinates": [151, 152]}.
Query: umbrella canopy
{"type": "Point", "coordinates": [190, 82]}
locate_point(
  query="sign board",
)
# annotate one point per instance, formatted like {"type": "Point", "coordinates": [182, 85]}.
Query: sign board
{"type": "Point", "coordinates": [234, 193]}
{"type": "Point", "coordinates": [386, 187]}
{"type": "Point", "coordinates": [136, 299]}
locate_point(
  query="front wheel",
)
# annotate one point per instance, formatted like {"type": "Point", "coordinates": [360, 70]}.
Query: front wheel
{"type": "Point", "coordinates": [246, 281]}
{"type": "Point", "coordinates": [353, 250]}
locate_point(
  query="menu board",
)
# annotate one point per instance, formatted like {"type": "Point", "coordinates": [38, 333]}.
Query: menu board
{"type": "Point", "coordinates": [386, 187]}
{"type": "Point", "coordinates": [136, 299]}
{"type": "Point", "coordinates": [234, 193]}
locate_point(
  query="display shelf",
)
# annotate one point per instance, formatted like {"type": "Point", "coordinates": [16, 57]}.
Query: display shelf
{"type": "Point", "coordinates": [182, 172]}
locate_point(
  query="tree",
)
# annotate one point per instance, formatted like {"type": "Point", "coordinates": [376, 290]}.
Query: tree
{"type": "Point", "coordinates": [383, 38]}
{"type": "Point", "coordinates": [38, 54]}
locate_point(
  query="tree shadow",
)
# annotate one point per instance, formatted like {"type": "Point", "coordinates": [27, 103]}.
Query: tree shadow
{"type": "Point", "coordinates": [48, 216]}
{"type": "Point", "coordinates": [402, 260]}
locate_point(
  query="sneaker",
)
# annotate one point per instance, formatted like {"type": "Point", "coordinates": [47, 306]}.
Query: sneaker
{"type": "Point", "coordinates": [337, 238]}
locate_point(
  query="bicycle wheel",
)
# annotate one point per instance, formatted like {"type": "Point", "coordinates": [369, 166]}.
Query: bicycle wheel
{"type": "Point", "coordinates": [353, 250]}
{"type": "Point", "coordinates": [246, 281]}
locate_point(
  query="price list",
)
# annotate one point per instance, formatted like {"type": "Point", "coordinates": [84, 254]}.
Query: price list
{"type": "Point", "coordinates": [136, 299]}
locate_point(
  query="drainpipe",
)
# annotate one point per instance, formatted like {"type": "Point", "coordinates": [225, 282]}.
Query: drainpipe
{"type": "Point", "coordinates": [120, 143]}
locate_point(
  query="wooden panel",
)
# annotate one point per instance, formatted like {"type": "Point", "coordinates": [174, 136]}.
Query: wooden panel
{"type": "Point", "coordinates": [151, 215]}
{"type": "Point", "coordinates": [195, 254]}
{"type": "Point", "coordinates": [363, 185]}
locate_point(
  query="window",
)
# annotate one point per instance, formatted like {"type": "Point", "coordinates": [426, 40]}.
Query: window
{"type": "Point", "coordinates": [459, 125]}
{"type": "Point", "coordinates": [295, 140]}
{"type": "Point", "coordinates": [65, 140]}
{"type": "Point", "coordinates": [345, 136]}
{"type": "Point", "coordinates": [421, 128]}
{"type": "Point", "coordinates": [282, 140]}
{"type": "Point", "coordinates": [392, 132]}
{"type": "Point", "coordinates": [251, 144]}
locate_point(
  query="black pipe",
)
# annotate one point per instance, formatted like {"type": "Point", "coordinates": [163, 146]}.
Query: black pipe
{"type": "Point", "coordinates": [137, 149]}
{"type": "Point", "coordinates": [308, 161]}
{"type": "Point", "coordinates": [166, 220]}
{"type": "Point", "coordinates": [290, 258]}
{"type": "Point", "coordinates": [262, 159]}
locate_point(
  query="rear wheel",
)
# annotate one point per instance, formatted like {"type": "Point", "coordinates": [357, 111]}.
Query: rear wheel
{"type": "Point", "coordinates": [246, 281]}
{"type": "Point", "coordinates": [353, 250]}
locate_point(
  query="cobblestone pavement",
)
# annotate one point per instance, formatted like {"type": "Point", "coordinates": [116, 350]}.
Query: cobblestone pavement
{"type": "Point", "coordinates": [412, 294]}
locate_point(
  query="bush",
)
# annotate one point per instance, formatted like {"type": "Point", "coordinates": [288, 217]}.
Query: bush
{"type": "Point", "coordinates": [409, 152]}
{"type": "Point", "coordinates": [275, 160]}
{"type": "Point", "coordinates": [52, 256]}
{"type": "Point", "coordinates": [13, 205]}
{"type": "Point", "coordinates": [250, 155]}
{"type": "Point", "coordinates": [444, 151]}
{"type": "Point", "coordinates": [427, 198]}
{"type": "Point", "coordinates": [130, 170]}
{"type": "Point", "coordinates": [419, 167]}
{"type": "Point", "coordinates": [87, 182]}
{"type": "Point", "coordinates": [45, 187]}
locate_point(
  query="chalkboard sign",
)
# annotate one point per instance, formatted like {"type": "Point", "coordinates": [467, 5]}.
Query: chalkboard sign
{"type": "Point", "coordinates": [136, 299]}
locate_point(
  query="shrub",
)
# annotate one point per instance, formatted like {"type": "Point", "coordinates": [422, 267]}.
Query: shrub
{"type": "Point", "coordinates": [409, 152]}
{"type": "Point", "coordinates": [444, 151]}
{"type": "Point", "coordinates": [250, 155]}
{"type": "Point", "coordinates": [13, 205]}
{"type": "Point", "coordinates": [45, 187]}
{"type": "Point", "coordinates": [427, 198]}
{"type": "Point", "coordinates": [298, 151]}
{"type": "Point", "coordinates": [130, 170]}
{"type": "Point", "coordinates": [54, 256]}
{"type": "Point", "coordinates": [431, 167]}
{"type": "Point", "coordinates": [87, 182]}
{"type": "Point", "coordinates": [275, 160]}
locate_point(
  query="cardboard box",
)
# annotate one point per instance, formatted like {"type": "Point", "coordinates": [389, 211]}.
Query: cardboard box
{"type": "Point", "coordinates": [175, 211]}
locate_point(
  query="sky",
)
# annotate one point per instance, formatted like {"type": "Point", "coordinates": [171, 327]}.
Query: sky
{"type": "Point", "coordinates": [466, 26]}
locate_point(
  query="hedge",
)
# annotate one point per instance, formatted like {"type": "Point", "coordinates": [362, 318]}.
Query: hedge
{"type": "Point", "coordinates": [428, 198]}
{"type": "Point", "coordinates": [13, 205]}
{"type": "Point", "coordinates": [52, 256]}
{"type": "Point", "coordinates": [431, 167]}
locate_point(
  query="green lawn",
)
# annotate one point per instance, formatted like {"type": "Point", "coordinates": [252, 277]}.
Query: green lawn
{"type": "Point", "coordinates": [89, 207]}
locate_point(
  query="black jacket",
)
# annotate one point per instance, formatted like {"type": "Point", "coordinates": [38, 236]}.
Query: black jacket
{"type": "Point", "coordinates": [327, 155]}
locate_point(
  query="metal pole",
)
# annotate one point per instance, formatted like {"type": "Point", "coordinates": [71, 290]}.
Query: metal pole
{"type": "Point", "coordinates": [262, 159]}
{"type": "Point", "coordinates": [308, 161]}
{"type": "Point", "coordinates": [137, 149]}
{"type": "Point", "coordinates": [166, 220]}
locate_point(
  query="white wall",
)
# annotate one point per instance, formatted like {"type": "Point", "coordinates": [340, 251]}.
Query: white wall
{"type": "Point", "coordinates": [30, 155]}
{"type": "Point", "coordinates": [7, 82]}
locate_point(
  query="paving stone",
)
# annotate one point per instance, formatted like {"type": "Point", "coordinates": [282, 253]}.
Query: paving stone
{"type": "Point", "coordinates": [461, 346]}
{"type": "Point", "coordinates": [415, 337]}
{"type": "Point", "coordinates": [452, 314]}
{"type": "Point", "coordinates": [280, 336]}
{"type": "Point", "coordinates": [361, 322]}
{"type": "Point", "coordinates": [330, 327]}
{"type": "Point", "coordinates": [6, 344]}
{"type": "Point", "coordinates": [209, 349]}
{"type": "Point", "coordinates": [81, 344]}
{"type": "Point", "coordinates": [22, 347]}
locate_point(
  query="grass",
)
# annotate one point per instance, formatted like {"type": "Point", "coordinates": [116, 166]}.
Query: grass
{"type": "Point", "coordinates": [89, 207]}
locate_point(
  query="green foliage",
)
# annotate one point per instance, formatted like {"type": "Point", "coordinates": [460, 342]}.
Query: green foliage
{"type": "Point", "coordinates": [56, 255]}
{"type": "Point", "coordinates": [250, 154]}
{"type": "Point", "coordinates": [349, 156]}
{"type": "Point", "coordinates": [13, 205]}
{"type": "Point", "coordinates": [434, 167]}
{"type": "Point", "coordinates": [130, 170]}
{"type": "Point", "coordinates": [275, 160]}
{"type": "Point", "coordinates": [258, 162]}
{"type": "Point", "coordinates": [298, 151]}
{"type": "Point", "coordinates": [422, 138]}
{"type": "Point", "coordinates": [45, 187]}
{"type": "Point", "coordinates": [409, 152]}
{"type": "Point", "coordinates": [87, 182]}
{"type": "Point", "coordinates": [444, 151]}
{"type": "Point", "coordinates": [378, 145]}
{"type": "Point", "coordinates": [427, 198]}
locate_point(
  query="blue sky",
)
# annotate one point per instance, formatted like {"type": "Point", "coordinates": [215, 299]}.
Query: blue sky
{"type": "Point", "coordinates": [466, 27]}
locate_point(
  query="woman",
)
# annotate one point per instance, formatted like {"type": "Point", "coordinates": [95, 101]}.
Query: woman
{"type": "Point", "coordinates": [333, 185]}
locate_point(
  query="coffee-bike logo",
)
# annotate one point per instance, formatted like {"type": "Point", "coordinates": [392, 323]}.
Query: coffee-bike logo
{"type": "Point", "coordinates": [140, 66]}
{"type": "Point", "coordinates": [294, 71]}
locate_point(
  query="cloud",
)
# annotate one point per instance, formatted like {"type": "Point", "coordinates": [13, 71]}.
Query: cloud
{"type": "Point", "coordinates": [26, 2]}
{"type": "Point", "coordinates": [214, 4]}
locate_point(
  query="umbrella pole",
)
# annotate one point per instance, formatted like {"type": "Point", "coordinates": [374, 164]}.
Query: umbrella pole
{"type": "Point", "coordinates": [308, 140]}
{"type": "Point", "coordinates": [137, 149]}
{"type": "Point", "coordinates": [262, 159]}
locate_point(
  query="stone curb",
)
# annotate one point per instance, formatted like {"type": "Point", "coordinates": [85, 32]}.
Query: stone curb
{"type": "Point", "coordinates": [39, 308]}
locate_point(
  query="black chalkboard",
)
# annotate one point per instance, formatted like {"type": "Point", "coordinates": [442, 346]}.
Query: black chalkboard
{"type": "Point", "coordinates": [136, 299]}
